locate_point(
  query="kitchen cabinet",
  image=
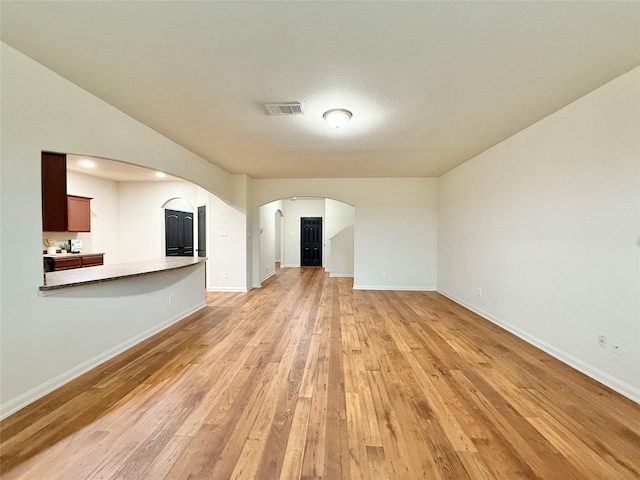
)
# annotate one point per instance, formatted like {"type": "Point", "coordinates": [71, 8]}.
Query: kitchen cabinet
{"type": "Point", "coordinates": [55, 263]}
{"type": "Point", "coordinates": [78, 214]}
{"type": "Point", "coordinates": [61, 212]}
{"type": "Point", "coordinates": [54, 192]}
{"type": "Point", "coordinates": [92, 260]}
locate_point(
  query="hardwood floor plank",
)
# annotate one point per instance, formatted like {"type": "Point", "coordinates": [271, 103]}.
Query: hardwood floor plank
{"type": "Point", "coordinates": [316, 439]}
{"type": "Point", "coordinates": [394, 445]}
{"type": "Point", "coordinates": [378, 466]}
{"type": "Point", "coordinates": [357, 442]}
{"type": "Point", "coordinates": [306, 378]}
{"type": "Point", "coordinates": [294, 452]}
{"type": "Point", "coordinates": [337, 458]}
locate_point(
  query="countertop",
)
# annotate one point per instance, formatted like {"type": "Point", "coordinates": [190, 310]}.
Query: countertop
{"type": "Point", "coordinates": [69, 255]}
{"type": "Point", "coordinates": [106, 273]}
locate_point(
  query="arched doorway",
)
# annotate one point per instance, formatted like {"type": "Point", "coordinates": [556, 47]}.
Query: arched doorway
{"type": "Point", "coordinates": [280, 234]}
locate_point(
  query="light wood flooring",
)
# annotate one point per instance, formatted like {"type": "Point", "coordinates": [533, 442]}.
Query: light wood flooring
{"type": "Point", "coordinates": [306, 378]}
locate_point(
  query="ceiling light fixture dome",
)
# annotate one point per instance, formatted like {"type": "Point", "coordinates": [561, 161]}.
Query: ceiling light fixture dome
{"type": "Point", "coordinates": [337, 117]}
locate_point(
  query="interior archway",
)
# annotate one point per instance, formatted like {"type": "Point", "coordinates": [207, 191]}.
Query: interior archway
{"type": "Point", "coordinates": [281, 218]}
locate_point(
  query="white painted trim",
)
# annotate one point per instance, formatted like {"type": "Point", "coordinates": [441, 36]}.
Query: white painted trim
{"type": "Point", "coordinates": [403, 288]}
{"type": "Point", "coordinates": [622, 388]}
{"type": "Point", "coordinates": [21, 401]}
{"type": "Point", "coordinates": [268, 275]}
{"type": "Point", "coordinates": [230, 289]}
{"type": "Point", "coordinates": [341, 275]}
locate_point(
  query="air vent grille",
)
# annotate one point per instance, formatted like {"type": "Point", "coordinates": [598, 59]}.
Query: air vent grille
{"type": "Point", "coordinates": [284, 109]}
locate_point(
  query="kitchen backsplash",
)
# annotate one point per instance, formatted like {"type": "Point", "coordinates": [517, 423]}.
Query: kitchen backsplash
{"type": "Point", "coordinates": [64, 237]}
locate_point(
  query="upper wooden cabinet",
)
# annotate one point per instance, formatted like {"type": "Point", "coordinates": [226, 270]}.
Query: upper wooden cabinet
{"type": "Point", "coordinates": [61, 212]}
{"type": "Point", "coordinates": [78, 214]}
{"type": "Point", "coordinates": [54, 192]}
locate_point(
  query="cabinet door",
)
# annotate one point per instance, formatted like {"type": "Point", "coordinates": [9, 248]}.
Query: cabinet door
{"type": "Point", "coordinates": [79, 214]}
{"type": "Point", "coordinates": [66, 263]}
{"type": "Point", "coordinates": [54, 192]}
{"type": "Point", "coordinates": [92, 260]}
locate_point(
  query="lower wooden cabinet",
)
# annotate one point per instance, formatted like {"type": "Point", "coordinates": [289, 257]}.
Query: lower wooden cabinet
{"type": "Point", "coordinates": [92, 260]}
{"type": "Point", "coordinates": [67, 262]}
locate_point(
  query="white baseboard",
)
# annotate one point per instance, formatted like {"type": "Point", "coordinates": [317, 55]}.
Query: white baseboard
{"type": "Point", "coordinates": [268, 275]}
{"type": "Point", "coordinates": [230, 289]}
{"type": "Point", "coordinates": [401, 288]}
{"type": "Point", "coordinates": [589, 370]}
{"type": "Point", "coordinates": [18, 403]}
{"type": "Point", "coordinates": [341, 275]}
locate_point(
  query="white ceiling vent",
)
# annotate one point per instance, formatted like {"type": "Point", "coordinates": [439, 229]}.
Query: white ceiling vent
{"type": "Point", "coordinates": [284, 109]}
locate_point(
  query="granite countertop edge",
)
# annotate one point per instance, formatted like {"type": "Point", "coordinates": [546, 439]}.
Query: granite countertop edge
{"type": "Point", "coordinates": [70, 255]}
{"type": "Point", "coordinates": [107, 273]}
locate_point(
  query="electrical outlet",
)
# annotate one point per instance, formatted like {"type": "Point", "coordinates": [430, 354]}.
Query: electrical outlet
{"type": "Point", "coordinates": [479, 292]}
{"type": "Point", "coordinates": [170, 299]}
{"type": "Point", "coordinates": [616, 347]}
{"type": "Point", "coordinates": [602, 341]}
{"type": "Point", "coordinates": [383, 274]}
{"type": "Point", "coordinates": [224, 275]}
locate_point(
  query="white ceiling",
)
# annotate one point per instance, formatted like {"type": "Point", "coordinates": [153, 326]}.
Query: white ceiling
{"type": "Point", "coordinates": [116, 171]}
{"type": "Point", "coordinates": [430, 84]}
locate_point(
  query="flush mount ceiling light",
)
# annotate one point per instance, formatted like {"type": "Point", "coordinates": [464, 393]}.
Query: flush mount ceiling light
{"type": "Point", "coordinates": [88, 163]}
{"type": "Point", "coordinates": [160, 174]}
{"type": "Point", "coordinates": [337, 117]}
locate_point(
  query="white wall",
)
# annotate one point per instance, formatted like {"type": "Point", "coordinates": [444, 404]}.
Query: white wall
{"type": "Point", "coordinates": [341, 247]}
{"type": "Point", "coordinates": [339, 215]}
{"type": "Point", "coordinates": [279, 226]}
{"type": "Point", "coordinates": [339, 238]}
{"type": "Point", "coordinates": [227, 247]}
{"type": "Point", "coordinates": [44, 340]}
{"type": "Point", "coordinates": [547, 224]}
{"type": "Point", "coordinates": [395, 227]}
{"type": "Point", "coordinates": [268, 238]}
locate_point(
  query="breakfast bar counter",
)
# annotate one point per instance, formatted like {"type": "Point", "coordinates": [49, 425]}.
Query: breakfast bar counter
{"type": "Point", "coordinates": [107, 273]}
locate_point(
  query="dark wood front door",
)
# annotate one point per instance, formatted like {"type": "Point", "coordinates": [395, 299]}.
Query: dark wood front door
{"type": "Point", "coordinates": [311, 241]}
{"type": "Point", "coordinates": [202, 231]}
{"type": "Point", "coordinates": [178, 233]}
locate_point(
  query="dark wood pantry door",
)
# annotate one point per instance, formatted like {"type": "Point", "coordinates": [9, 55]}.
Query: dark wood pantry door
{"type": "Point", "coordinates": [311, 241]}
{"type": "Point", "coordinates": [202, 231]}
{"type": "Point", "coordinates": [178, 233]}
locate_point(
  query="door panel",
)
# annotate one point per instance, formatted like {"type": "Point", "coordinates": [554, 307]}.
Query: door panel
{"type": "Point", "coordinates": [202, 231]}
{"type": "Point", "coordinates": [187, 235]}
{"type": "Point", "coordinates": [178, 233]}
{"type": "Point", "coordinates": [172, 233]}
{"type": "Point", "coordinates": [311, 241]}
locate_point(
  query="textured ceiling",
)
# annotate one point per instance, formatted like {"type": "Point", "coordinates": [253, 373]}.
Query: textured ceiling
{"type": "Point", "coordinates": [430, 84]}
